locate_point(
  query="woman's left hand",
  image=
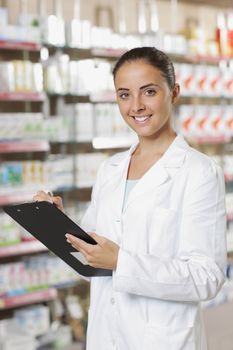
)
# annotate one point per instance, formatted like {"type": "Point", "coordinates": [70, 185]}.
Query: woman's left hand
{"type": "Point", "coordinates": [104, 254]}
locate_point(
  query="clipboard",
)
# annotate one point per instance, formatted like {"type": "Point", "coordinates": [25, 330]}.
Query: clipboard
{"type": "Point", "coordinates": [49, 225]}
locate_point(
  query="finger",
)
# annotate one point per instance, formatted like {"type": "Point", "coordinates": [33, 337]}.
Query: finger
{"type": "Point", "coordinates": [58, 202]}
{"type": "Point", "coordinates": [42, 196]}
{"type": "Point", "coordinates": [99, 239]}
{"type": "Point", "coordinates": [78, 243]}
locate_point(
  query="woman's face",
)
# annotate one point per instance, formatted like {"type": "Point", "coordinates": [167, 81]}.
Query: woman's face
{"type": "Point", "coordinates": [144, 98]}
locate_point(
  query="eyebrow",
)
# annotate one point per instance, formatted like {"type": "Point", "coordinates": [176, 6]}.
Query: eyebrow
{"type": "Point", "coordinates": [141, 88]}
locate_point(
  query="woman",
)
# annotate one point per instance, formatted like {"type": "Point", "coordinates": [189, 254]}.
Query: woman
{"type": "Point", "coordinates": [157, 214]}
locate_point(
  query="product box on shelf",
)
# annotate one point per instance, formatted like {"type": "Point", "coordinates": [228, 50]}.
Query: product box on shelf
{"type": "Point", "coordinates": [186, 78]}
{"type": "Point", "coordinates": [206, 122]}
{"type": "Point", "coordinates": [9, 231]}
{"type": "Point", "coordinates": [87, 165]}
{"type": "Point", "coordinates": [35, 319]}
{"type": "Point", "coordinates": [32, 274]}
{"type": "Point", "coordinates": [13, 338]}
{"type": "Point", "coordinates": [7, 77]}
{"type": "Point", "coordinates": [84, 122]}
{"type": "Point", "coordinates": [3, 18]}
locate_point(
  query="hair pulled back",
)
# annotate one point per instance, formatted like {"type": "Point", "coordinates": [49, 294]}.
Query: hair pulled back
{"type": "Point", "coordinates": [156, 58]}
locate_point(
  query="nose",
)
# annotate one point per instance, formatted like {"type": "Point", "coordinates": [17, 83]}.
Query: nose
{"type": "Point", "coordinates": [137, 104]}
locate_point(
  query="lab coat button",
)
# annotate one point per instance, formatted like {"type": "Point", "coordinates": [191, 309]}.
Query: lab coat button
{"type": "Point", "coordinates": [112, 301]}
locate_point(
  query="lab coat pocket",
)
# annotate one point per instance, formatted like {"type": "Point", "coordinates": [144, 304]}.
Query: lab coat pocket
{"type": "Point", "coordinates": [164, 338]}
{"type": "Point", "coordinates": [163, 226]}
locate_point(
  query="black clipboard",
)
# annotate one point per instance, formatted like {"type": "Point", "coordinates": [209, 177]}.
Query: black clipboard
{"type": "Point", "coordinates": [49, 225]}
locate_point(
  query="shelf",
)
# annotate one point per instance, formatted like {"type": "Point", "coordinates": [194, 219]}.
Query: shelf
{"type": "Point", "coordinates": [29, 247]}
{"type": "Point", "coordinates": [74, 346]}
{"type": "Point", "coordinates": [229, 242]}
{"type": "Point", "coordinates": [22, 96]}
{"type": "Point", "coordinates": [79, 52]}
{"type": "Point", "coordinates": [185, 99]}
{"type": "Point", "coordinates": [111, 142]}
{"type": "Point", "coordinates": [70, 98]}
{"type": "Point", "coordinates": [115, 53]}
{"type": "Point", "coordinates": [228, 178]}
{"type": "Point", "coordinates": [210, 140]}
{"type": "Point", "coordinates": [19, 45]}
{"type": "Point", "coordinates": [17, 196]}
{"type": "Point", "coordinates": [107, 52]}
{"type": "Point", "coordinates": [24, 146]}
{"type": "Point", "coordinates": [103, 96]}
{"type": "Point", "coordinates": [188, 58]}
{"type": "Point", "coordinates": [217, 3]}
{"type": "Point", "coordinates": [27, 299]}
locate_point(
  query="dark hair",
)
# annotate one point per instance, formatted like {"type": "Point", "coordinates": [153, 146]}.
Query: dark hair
{"type": "Point", "coordinates": [152, 56]}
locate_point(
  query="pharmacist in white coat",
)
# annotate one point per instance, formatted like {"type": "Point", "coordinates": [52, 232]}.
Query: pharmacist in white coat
{"type": "Point", "coordinates": [158, 216]}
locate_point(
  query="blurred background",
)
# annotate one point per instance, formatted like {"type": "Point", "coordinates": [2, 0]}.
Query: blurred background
{"type": "Point", "coordinates": [59, 121]}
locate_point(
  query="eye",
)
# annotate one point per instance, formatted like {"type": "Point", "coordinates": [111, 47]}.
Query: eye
{"type": "Point", "coordinates": [150, 92]}
{"type": "Point", "coordinates": [124, 95]}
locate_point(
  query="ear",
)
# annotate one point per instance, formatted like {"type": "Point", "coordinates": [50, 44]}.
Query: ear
{"type": "Point", "coordinates": [175, 93]}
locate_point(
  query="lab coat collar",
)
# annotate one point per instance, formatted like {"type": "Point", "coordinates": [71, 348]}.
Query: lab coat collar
{"type": "Point", "coordinates": [157, 175]}
{"type": "Point", "coordinates": [173, 157]}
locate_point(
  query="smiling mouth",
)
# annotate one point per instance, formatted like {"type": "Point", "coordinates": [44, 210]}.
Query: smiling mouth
{"type": "Point", "coordinates": [143, 119]}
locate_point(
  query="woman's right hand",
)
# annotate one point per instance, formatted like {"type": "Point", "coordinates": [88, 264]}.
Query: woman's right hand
{"type": "Point", "coordinates": [44, 196]}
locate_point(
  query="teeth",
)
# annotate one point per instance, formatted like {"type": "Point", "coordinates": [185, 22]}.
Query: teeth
{"type": "Point", "coordinates": [141, 119]}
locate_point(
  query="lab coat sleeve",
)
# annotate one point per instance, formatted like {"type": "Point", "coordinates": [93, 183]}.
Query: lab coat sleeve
{"type": "Point", "coordinates": [198, 270]}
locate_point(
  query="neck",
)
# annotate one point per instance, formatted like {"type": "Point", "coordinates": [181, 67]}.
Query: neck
{"type": "Point", "coordinates": [156, 145]}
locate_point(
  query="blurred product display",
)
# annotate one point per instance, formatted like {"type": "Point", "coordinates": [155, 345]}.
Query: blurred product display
{"type": "Point", "coordinates": [59, 121]}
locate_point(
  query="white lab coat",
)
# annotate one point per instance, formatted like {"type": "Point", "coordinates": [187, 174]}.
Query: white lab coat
{"type": "Point", "coordinates": [172, 251]}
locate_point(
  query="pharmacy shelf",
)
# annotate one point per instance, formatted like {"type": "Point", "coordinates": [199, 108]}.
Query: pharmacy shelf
{"type": "Point", "coordinates": [22, 96]}
{"type": "Point", "coordinates": [229, 242]}
{"type": "Point", "coordinates": [107, 52]}
{"type": "Point", "coordinates": [114, 53]}
{"type": "Point", "coordinates": [109, 96]}
{"type": "Point", "coordinates": [203, 99]}
{"type": "Point", "coordinates": [17, 196]}
{"type": "Point", "coordinates": [99, 143]}
{"type": "Point", "coordinates": [217, 3]}
{"type": "Point", "coordinates": [19, 45]}
{"type": "Point", "coordinates": [103, 96]}
{"type": "Point", "coordinates": [24, 146]}
{"type": "Point", "coordinates": [81, 53]}
{"type": "Point", "coordinates": [210, 140]}
{"type": "Point", "coordinates": [74, 346]}
{"type": "Point", "coordinates": [197, 59]}
{"type": "Point", "coordinates": [70, 98]}
{"type": "Point", "coordinates": [228, 177]}
{"type": "Point", "coordinates": [28, 298]}
{"type": "Point", "coordinates": [112, 142]}
{"type": "Point", "coordinates": [22, 248]}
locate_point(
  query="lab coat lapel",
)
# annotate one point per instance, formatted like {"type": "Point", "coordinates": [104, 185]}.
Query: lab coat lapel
{"type": "Point", "coordinates": [120, 167]}
{"type": "Point", "coordinates": [162, 171]}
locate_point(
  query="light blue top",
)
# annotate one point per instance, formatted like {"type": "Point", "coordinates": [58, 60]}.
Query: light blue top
{"type": "Point", "coordinates": [128, 188]}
